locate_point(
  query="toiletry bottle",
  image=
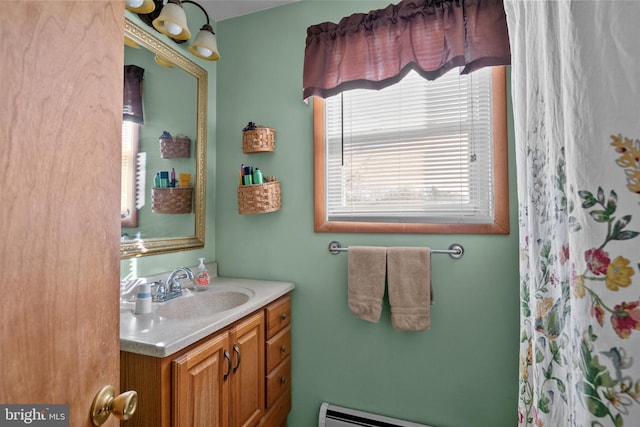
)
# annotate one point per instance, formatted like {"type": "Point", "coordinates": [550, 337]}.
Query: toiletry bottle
{"type": "Point", "coordinates": [164, 179]}
{"type": "Point", "coordinates": [143, 299]}
{"type": "Point", "coordinates": [202, 278]}
{"type": "Point", "coordinates": [257, 177]}
{"type": "Point", "coordinates": [247, 177]}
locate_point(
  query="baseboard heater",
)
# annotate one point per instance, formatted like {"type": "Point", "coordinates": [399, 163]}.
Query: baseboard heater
{"type": "Point", "coordinates": [336, 416]}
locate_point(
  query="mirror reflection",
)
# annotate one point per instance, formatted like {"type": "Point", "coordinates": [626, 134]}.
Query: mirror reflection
{"type": "Point", "coordinates": [164, 151]}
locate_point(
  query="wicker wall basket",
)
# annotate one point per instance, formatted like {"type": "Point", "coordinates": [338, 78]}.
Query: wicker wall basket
{"type": "Point", "coordinates": [260, 139]}
{"type": "Point", "coordinates": [259, 198]}
{"type": "Point", "coordinates": [175, 200]}
{"type": "Point", "coordinates": [175, 148]}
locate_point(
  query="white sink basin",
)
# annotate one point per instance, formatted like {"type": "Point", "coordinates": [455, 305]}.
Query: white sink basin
{"type": "Point", "coordinates": [175, 324]}
{"type": "Point", "coordinates": [215, 299]}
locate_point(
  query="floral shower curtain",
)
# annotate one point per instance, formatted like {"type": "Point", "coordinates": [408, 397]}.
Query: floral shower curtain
{"type": "Point", "coordinates": [576, 95]}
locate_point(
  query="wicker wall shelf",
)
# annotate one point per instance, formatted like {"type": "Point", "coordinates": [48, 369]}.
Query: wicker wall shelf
{"type": "Point", "coordinates": [258, 140]}
{"type": "Point", "coordinates": [175, 200]}
{"type": "Point", "coordinates": [175, 148]}
{"type": "Point", "coordinates": [259, 198]}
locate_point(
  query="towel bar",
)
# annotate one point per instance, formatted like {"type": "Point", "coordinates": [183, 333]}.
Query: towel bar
{"type": "Point", "coordinates": [455, 250]}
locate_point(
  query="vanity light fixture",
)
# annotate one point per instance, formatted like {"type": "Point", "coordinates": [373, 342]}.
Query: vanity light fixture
{"type": "Point", "coordinates": [171, 20]}
{"type": "Point", "coordinates": [205, 45]}
{"type": "Point", "coordinates": [161, 60]}
{"type": "Point", "coordinates": [140, 6]}
{"type": "Point", "coordinates": [129, 42]}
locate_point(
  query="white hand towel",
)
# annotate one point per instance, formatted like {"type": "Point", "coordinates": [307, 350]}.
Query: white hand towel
{"type": "Point", "coordinates": [366, 276]}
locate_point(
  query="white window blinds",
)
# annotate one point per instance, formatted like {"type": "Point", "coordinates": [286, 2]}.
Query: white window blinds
{"type": "Point", "coordinates": [127, 195]}
{"type": "Point", "coordinates": [419, 151]}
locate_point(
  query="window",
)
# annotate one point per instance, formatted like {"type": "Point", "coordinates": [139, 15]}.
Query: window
{"type": "Point", "coordinates": [416, 157]}
{"type": "Point", "coordinates": [128, 210]}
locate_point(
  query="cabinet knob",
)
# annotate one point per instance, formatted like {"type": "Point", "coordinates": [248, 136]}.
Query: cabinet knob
{"type": "Point", "coordinates": [283, 380]}
{"type": "Point", "coordinates": [283, 316]}
{"type": "Point", "coordinates": [283, 349]}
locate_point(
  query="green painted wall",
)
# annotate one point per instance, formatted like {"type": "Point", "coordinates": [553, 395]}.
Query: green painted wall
{"type": "Point", "coordinates": [461, 373]}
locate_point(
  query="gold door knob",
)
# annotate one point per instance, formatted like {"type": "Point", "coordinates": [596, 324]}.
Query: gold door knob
{"type": "Point", "coordinates": [106, 403]}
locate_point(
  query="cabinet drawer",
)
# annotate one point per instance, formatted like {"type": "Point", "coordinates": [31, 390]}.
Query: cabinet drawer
{"type": "Point", "coordinates": [278, 315]}
{"type": "Point", "coordinates": [278, 382]}
{"type": "Point", "coordinates": [278, 348]}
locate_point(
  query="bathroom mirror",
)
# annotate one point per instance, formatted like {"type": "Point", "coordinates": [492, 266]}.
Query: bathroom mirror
{"type": "Point", "coordinates": [184, 110]}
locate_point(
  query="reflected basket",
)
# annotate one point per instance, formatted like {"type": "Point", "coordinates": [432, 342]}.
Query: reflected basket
{"type": "Point", "coordinates": [259, 198]}
{"type": "Point", "coordinates": [175, 148]}
{"type": "Point", "coordinates": [175, 200]}
{"type": "Point", "coordinates": [260, 139]}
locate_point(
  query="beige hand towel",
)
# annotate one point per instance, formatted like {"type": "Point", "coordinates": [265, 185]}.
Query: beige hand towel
{"type": "Point", "coordinates": [366, 276]}
{"type": "Point", "coordinates": [410, 293]}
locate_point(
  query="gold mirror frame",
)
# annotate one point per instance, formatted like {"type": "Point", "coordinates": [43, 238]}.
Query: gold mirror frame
{"type": "Point", "coordinates": [144, 247]}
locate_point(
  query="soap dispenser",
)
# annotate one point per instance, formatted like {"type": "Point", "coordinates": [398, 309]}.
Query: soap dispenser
{"type": "Point", "coordinates": [202, 278]}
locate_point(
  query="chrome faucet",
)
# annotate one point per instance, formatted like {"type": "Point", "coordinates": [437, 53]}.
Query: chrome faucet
{"type": "Point", "coordinates": [173, 288]}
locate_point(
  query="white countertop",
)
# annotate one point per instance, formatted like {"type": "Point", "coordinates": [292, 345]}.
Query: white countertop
{"type": "Point", "coordinates": [154, 335]}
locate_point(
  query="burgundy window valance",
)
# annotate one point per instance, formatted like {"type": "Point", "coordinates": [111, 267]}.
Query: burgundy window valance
{"type": "Point", "coordinates": [132, 107]}
{"type": "Point", "coordinates": [377, 49]}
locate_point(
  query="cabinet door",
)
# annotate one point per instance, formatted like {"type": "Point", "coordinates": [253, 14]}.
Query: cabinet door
{"type": "Point", "coordinates": [201, 380]}
{"type": "Point", "coordinates": [247, 385]}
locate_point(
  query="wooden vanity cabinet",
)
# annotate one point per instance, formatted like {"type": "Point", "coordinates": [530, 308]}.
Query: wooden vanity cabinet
{"type": "Point", "coordinates": [201, 384]}
{"type": "Point", "coordinates": [278, 362]}
{"type": "Point", "coordinates": [238, 377]}
{"type": "Point", "coordinates": [219, 383]}
{"type": "Point", "coordinates": [247, 385]}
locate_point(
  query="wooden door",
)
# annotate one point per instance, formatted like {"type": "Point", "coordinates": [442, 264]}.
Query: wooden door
{"type": "Point", "coordinates": [201, 385]}
{"type": "Point", "coordinates": [247, 385]}
{"type": "Point", "coordinates": [60, 147]}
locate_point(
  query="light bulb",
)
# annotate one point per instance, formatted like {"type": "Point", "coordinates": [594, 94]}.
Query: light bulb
{"type": "Point", "coordinates": [135, 3]}
{"type": "Point", "coordinates": [173, 28]}
{"type": "Point", "coordinates": [204, 51]}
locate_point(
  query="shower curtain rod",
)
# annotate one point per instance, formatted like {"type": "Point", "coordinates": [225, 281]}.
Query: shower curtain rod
{"type": "Point", "coordinates": [455, 250]}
